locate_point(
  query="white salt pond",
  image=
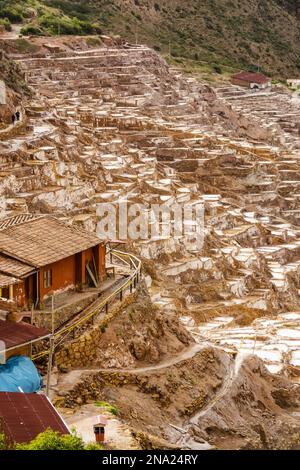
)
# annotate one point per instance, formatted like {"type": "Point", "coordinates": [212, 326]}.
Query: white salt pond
{"type": "Point", "coordinates": [275, 340]}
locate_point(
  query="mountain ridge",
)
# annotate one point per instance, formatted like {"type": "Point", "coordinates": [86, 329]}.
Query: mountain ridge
{"type": "Point", "coordinates": [224, 33]}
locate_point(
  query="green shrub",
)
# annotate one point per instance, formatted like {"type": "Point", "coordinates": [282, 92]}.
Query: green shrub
{"type": "Point", "coordinates": [13, 13]}
{"type": "Point", "coordinates": [94, 41]}
{"type": "Point", "coordinates": [3, 443]}
{"type": "Point", "coordinates": [93, 446]}
{"type": "Point", "coordinates": [57, 25]}
{"type": "Point", "coordinates": [217, 69]}
{"type": "Point", "coordinates": [6, 23]}
{"type": "Point", "coordinates": [50, 440]}
{"type": "Point", "coordinates": [110, 408]}
{"type": "Point", "coordinates": [25, 46]}
{"type": "Point", "coordinates": [31, 30]}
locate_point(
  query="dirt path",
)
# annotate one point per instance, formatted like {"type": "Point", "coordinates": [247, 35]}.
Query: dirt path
{"type": "Point", "coordinates": [68, 380]}
{"type": "Point", "coordinates": [186, 440]}
{"type": "Point", "coordinates": [228, 380]}
{"type": "Point", "coordinates": [107, 291]}
{"type": "Point", "coordinates": [14, 33]}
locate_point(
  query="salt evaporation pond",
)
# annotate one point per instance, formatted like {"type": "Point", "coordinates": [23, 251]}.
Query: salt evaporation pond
{"type": "Point", "coordinates": [275, 340]}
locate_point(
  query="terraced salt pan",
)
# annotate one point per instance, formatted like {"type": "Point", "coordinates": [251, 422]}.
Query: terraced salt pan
{"type": "Point", "coordinates": [275, 340]}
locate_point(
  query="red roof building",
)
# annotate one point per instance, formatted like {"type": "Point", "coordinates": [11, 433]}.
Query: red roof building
{"type": "Point", "coordinates": [24, 415]}
{"type": "Point", "coordinates": [251, 80]}
{"type": "Point", "coordinates": [17, 338]}
{"type": "Point", "coordinates": [41, 256]}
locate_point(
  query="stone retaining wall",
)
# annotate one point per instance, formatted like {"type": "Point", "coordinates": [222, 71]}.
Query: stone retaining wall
{"type": "Point", "coordinates": [43, 319]}
{"type": "Point", "coordinates": [82, 351]}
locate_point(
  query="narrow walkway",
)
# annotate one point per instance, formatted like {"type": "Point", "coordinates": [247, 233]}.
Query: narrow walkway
{"type": "Point", "coordinates": [68, 380]}
{"type": "Point", "coordinates": [186, 438]}
{"type": "Point", "coordinates": [14, 33]}
{"type": "Point", "coordinates": [80, 318]}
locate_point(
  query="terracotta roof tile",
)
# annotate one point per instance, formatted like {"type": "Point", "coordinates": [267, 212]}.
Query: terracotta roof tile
{"type": "Point", "coordinates": [5, 281]}
{"type": "Point", "coordinates": [14, 267]}
{"type": "Point", "coordinates": [43, 240]}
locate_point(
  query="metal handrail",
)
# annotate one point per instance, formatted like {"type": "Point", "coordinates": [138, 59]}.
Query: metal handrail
{"type": "Point", "coordinates": [97, 306]}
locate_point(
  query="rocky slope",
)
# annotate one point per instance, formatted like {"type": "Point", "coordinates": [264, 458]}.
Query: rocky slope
{"type": "Point", "coordinates": [234, 33]}
{"type": "Point", "coordinates": [16, 89]}
{"type": "Point", "coordinates": [292, 6]}
{"type": "Point", "coordinates": [210, 400]}
{"type": "Point", "coordinates": [141, 334]}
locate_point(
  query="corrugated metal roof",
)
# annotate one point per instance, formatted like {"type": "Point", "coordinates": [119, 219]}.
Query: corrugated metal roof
{"type": "Point", "coordinates": [24, 415]}
{"type": "Point", "coordinates": [15, 334]}
{"type": "Point", "coordinates": [14, 267]}
{"type": "Point", "coordinates": [251, 77]}
{"type": "Point", "coordinates": [43, 240]}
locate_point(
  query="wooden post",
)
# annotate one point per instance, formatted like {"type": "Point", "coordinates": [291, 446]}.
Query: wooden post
{"type": "Point", "coordinates": [32, 314]}
{"type": "Point", "coordinates": [50, 365]}
{"type": "Point", "coordinates": [52, 314]}
{"type": "Point", "coordinates": [11, 292]}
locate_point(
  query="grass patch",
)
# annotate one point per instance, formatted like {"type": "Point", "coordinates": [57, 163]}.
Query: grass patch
{"type": "Point", "coordinates": [22, 45]}
{"type": "Point", "coordinates": [108, 407]}
{"type": "Point", "coordinates": [6, 23]}
{"type": "Point", "coordinates": [93, 41]}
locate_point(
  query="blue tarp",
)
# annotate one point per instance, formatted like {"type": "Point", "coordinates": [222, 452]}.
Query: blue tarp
{"type": "Point", "coordinates": [19, 371]}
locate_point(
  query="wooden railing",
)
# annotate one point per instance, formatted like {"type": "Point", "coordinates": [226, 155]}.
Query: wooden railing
{"type": "Point", "coordinates": [100, 304]}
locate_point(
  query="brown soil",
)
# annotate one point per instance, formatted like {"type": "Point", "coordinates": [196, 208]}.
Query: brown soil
{"type": "Point", "coordinates": [141, 334]}
{"type": "Point", "coordinates": [249, 410]}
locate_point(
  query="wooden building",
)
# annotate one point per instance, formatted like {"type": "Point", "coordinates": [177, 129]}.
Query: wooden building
{"type": "Point", "coordinates": [41, 256]}
{"type": "Point", "coordinates": [251, 80]}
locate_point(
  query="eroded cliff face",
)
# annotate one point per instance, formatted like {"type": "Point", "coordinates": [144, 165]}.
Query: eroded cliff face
{"type": "Point", "coordinates": [14, 88]}
{"type": "Point", "coordinates": [141, 334]}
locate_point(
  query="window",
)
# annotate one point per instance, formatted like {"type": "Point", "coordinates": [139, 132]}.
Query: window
{"type": "Point", "coordinates": [47, 279]}
{"type": "Point", "coordinates": [4, 293]}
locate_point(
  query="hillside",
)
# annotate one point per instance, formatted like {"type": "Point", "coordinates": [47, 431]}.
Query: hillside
{"type": "Point", "coordinates": [230, 33]}
{"type": "Point", "coordinates": [110, 122]}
